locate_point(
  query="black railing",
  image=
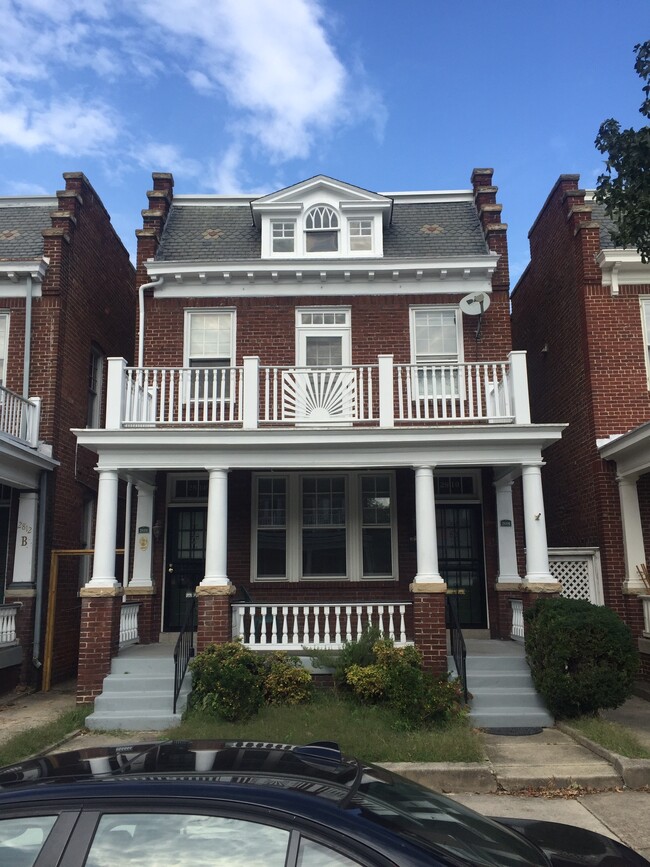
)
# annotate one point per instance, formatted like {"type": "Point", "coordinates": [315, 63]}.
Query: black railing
{"type": "Point", "coordinates": [184, 649]}
{"type": "Point", "coordinates": [458, 649]}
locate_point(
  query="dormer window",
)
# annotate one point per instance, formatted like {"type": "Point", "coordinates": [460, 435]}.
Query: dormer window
{"type": "Point", "coordinates": [360, 235]}
{"type": "Point", "coordinates": [321, 230]}
{"type": "Point", "coordinates": [283, 234]}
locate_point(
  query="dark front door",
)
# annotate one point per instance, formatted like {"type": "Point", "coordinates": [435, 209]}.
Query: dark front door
{"type": "Point", "coordinates": [185, 562]}
{"type": "Point", "coordinates": [460, 555]}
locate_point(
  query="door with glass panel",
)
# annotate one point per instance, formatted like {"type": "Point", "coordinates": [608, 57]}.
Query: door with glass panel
{"type": "Point", "coordinates": [322, 388]}
{"type": "Point", "coordinates": [459, 530]}
{"type": "Point", "coordinates": [185, 562]}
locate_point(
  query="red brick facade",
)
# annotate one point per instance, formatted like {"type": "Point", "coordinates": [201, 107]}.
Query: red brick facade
{"type": "Point", "coordinates": [586, 366]}
{"type": "Point", "coordinates": [88, 300]}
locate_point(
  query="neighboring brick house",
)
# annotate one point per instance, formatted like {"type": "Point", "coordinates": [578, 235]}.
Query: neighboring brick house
{"type": "Point", "coordinates": [67, 303]}
{"type": "Point", "coordinates": [319, 424]}
{"type": "Point", "coordinates": [581, 310]}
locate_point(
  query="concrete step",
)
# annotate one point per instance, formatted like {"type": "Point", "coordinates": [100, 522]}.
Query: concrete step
{"type": "Point", "coordinates": [145, 666]}
{"type": "Point", "coordinates": [124, 683]}
{"type": "Point", "coordinates": [498, 679]}
{"type": "Point", "coordinates": [511, 719]}
{"type": "Point", "coordinates": [124, 721]}
{"type": "Point", "coordinates": [133, 701]}
{"type": "Point", "coordinates": [504, 699]}
{"type": "Point", "coordinates": [492, 664]}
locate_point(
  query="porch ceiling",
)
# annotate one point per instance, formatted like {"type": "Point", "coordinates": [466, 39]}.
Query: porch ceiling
{"type": "Point", "coordinates": [630, 451]}
{"type": "Point", "coordinates": [318, 448]}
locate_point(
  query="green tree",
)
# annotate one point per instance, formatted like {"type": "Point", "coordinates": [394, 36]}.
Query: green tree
{"type": "Point", "coordinates": [624, 188]}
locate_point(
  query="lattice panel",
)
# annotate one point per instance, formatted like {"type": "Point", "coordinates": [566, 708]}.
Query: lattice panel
{"type": "Point", "coordinates": [574, 576]}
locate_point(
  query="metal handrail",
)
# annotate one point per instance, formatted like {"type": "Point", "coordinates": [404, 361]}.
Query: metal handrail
{"type": "Point", "coordinates": [184, 649]}
{"type": "Point", "coordinates": [458, 649]}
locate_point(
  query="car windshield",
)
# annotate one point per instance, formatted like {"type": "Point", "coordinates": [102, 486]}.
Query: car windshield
{"type": "Point", "coordinates": [440, 823]}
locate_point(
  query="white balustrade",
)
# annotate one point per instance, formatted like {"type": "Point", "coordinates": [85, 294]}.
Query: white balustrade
{"type": "Point", "coordinates": [646, 616]}
{"type": "Point", "coordinates": [517, 628]}
{"type": "Point", "coordinates": [8, 623]}
{"type": "Point", "coordinates": [182, 395]}
{"type": "Point", "coordinates": [19, 417]}
{"type": "Point", "coordinates": [129, 623]}
{"type": "Point", "coordinates": [453, 392]}
{"type": "Point", "coordinates": [318, 395]}
{"type": "Point", "coordinates": [323, 626]}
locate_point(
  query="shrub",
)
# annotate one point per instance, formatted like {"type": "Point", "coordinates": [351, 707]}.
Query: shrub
{"type": "Point", "coordinates": [286, 681]}
{"type": "Point", "coordinates": [367, 682]}
{"type": "Point", "coordinates": [227, 681]}
{"type": "Point", "coordinates": [582, 656]}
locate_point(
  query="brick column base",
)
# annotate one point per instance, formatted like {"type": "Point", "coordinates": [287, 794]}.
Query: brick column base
{"type": "Point", "coordinates": [148, 630]}
{"type": "Point", "coordinates": [429, 625]}
{"type": "Point", "coordinates": [99, 639]}
{"type": "Point", "coordinates": [214, 621]}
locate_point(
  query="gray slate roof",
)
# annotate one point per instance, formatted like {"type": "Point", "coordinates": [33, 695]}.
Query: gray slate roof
{"type": "Point", "coordinates": [20, 231]}
{"type": "Point", "coordinates": [209, 234]}
{"type": "Point", "coordinates": [606, 225]}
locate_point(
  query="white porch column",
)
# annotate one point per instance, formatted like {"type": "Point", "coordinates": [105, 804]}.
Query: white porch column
{"type": "Point", "coordinates": [508, 570]}
{"type": "Point", "coordinates": [537, 567]}
{"type": "Point", "coordinates": [25, 551]}
{"type": "Point", "coordinates": [216, 543]}
{"type": "Point", "coordinates": [633, 546]}
{"type": "Point", "coordinates": [105, 531]}
{"type": "Point", "coordinates": [425, 528]}
{"type": "Point", "coordinates": [143, 548]}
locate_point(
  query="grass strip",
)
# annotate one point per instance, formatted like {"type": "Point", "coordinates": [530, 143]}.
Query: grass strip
{"type": "Point", "coordinates": [368, 732]}
{"type": "Point", "coordinates": [613, 736]}
{"type": "Point", "coordinates": [36, 739]}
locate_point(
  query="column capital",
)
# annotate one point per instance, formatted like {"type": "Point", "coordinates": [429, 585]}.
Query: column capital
{"type": "Point", "coordinates": [628, 479]}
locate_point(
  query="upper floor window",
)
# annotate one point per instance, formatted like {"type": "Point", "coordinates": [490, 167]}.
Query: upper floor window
{"type": "Point", "coordinates": [321, 230]}
{"type": "Point", "coordinates": [4, 334]}
{"type": "Point", "coordinates": [645, 313]}
{"type": "Point", "coordinates": [95, 382]}
{"type": "Point", "coordinates": [436, 348]}
{"type": "Point", "coordinates": [360, 235]}
{"type": "Point", "coordinates": [209, 344]}
{"type": "Point", "coordinates": [283, 235]}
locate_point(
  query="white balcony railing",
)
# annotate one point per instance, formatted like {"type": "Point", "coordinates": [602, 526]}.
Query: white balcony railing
{"type": "Point", "coordinates": [517, 628]}
{"type": "Point", "coordinates": [19, 417]}
{"type": "Point", "coordinates": [323, 626]}
{"type": "Point", "coordinates": [8, 623]}
{"type": "Point", "coordinates": [381, 395]}
{"type": "Point", "coordinates": [129, 623]}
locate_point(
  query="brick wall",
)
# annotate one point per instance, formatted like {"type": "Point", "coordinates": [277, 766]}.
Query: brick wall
{"type": "Point", "coordinates": [586, 368]}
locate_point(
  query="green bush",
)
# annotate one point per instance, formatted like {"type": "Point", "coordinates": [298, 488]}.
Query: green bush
{"type": "Point", "coordinates": [285, 680]}
{"type": "Point", "coordinates": [582, 656]}
{"type": "Point", "coordinates": [367, 682]}
{"type": "Point", "coordinates": [227, 681]}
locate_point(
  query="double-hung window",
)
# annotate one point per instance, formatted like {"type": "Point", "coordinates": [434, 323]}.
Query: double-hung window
{"type": "Point", "coordinates": [283, 236]}
{"type": "Point", "coordinates": [436, 349]}
{"type": "Point", "coordinates": [645, 314]}
{"type": "Point", "coordinates": [209, 347]}
{"type": "Point", "coordinates": [4, 335]}
{"type": "Point", "coordinates": [319, 526]}
{"type": "Point", "coordinates": [360, 235]}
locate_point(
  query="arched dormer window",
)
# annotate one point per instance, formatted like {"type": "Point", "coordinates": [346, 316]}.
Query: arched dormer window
{"type": "Point", "coordinates": [321, 230]}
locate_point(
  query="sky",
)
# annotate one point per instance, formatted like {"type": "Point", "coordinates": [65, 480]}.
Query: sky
{"type": "Point", "coordinates": [249, 96]}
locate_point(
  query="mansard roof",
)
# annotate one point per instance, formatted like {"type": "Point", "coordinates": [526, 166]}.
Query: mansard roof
{"type": "Point", "coordinates": [21, 226]}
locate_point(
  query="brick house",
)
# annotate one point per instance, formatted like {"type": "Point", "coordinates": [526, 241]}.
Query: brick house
{"type": "Point", "coordinates": [581, 310]}
{"type": "Point", "coordinates": [324, 425]}
{"type": "Point", "coordinates": [68, 298]}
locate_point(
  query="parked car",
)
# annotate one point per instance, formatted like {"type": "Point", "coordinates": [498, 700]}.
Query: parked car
{"type": "Point", "coordinates": [244, 804]}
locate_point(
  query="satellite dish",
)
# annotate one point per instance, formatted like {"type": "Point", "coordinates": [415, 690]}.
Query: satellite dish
{"type": "Point", "coordinates": [475, 303]}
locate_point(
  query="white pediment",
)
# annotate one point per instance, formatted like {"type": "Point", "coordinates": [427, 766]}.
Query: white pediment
{"type": "Point", "coordinates": [321, 190]}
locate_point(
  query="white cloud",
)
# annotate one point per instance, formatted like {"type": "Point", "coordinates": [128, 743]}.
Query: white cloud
{"type": "Point", "coordinates": [65, 127]}
{"type": "Point", "coordinates": [161, 157]}
{"type": "Point", "coordinates": [26, 188]}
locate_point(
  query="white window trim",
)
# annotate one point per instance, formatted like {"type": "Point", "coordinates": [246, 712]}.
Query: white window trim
{"type": "Point", "coordinates": [344, 250]}
{"type": "Point", "coordinates": [460, 353]}
{"type": "Point", "coordinates": [354, 527]}
{"type": "Point", "coordinates": [329, 330]}
{"type": "Point", "coordinates": [644, 303]}
{"type": "Point", "coordinates": [285, 222]}
{"type": "Point", "coordinates": [206, 311]}
{"type": "Point", "coordinates": [5, 319]}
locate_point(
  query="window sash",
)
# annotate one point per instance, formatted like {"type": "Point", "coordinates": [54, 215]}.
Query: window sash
{"type": "Point", "coordinates": [283, 236]}
{"type": "Point", "coordinates": [360, 235]}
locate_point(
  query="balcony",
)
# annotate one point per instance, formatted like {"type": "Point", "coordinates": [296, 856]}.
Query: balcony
{"type": "Point", "coordinates": [382, 395]}
{"type": "Point", "coordinates": [19, 417]}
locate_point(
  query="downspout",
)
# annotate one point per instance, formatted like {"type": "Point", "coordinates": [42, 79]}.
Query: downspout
{"type": "Point", "coordinates": [158, 282]}
{"type": "Point", "coordinates": [27, 358]}
{"type": "Point", "coordinates": [40, 562]}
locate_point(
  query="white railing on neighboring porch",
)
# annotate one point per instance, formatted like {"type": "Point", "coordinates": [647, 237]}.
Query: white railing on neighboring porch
{"type": "Point", "coordinates": [8, 623]}
{"type": "Point", "coordinates": [323, 626]}
{"type": "Point", "coordinates": [19, 418]}
{"type": "Point", "coordinates": [129, 623]}
{"type": "Point", "coordinates": [646, 616]}
{"type": "Point", "coordinates": [517, 628]}
{"type": "Point", "coordinates": [382, 394]}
